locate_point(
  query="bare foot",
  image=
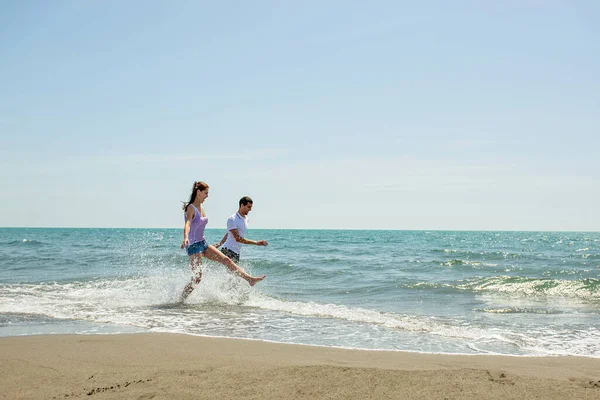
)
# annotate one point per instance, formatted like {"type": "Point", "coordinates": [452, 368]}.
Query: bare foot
{"type": "Point", "coordinates": [254, 280]}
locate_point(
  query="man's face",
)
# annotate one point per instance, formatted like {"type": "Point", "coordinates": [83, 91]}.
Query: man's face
{"type": "Point", "coordinates": [246, 208]}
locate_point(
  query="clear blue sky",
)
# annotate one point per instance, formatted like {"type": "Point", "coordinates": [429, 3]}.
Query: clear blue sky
{"type": "Point", "coordinates": [353, 115]}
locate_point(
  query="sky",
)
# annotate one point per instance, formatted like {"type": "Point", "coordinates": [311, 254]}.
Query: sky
{"type": "Point", "coordinates": [433, 115]}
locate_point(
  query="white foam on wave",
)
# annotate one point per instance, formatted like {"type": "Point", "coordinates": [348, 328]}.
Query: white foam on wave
{"type": "Point", "coordinates": [474, 264]}
{"type": "Point", "coordinates": [134, 302]}
{"type": "Point", "coordinates": [517, 310]}
{"type": "Point", "coordinates": [535, 287]}
{"type": "Point", "coordinates": [131, 301]}
{"type": "Point", "coordinates": [149, 302]}
{"type": "Point", "coordinates": [408, 323]}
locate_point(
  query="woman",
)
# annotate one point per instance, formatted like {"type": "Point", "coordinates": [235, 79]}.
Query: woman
{"type": "Point", "coordinates": [195, 243]}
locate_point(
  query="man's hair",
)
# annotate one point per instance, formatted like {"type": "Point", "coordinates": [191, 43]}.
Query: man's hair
{"type": "Point", "coordinates": [245, 200]}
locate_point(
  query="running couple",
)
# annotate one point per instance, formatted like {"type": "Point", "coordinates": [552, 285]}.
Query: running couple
{"type": "Point", "coordinates": [196, 245]}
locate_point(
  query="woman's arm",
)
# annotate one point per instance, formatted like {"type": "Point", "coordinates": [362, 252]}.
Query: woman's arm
{"type": "Point", "coordinates": [189, 217]}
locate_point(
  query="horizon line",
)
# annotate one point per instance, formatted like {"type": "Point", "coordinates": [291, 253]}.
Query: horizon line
{"type": "Point", "coordinates": [315, 229]}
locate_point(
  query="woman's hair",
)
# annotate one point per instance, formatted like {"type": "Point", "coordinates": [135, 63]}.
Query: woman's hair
{"type": "Point", "coordinates": [197, 186]}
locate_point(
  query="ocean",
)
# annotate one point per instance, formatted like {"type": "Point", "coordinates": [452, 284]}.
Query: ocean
{"type": "Point", "coordinates": [459, 292]}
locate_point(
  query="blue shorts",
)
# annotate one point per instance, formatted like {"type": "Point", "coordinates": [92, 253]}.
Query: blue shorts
{"type": "Point", "coordinates": [198, 247]}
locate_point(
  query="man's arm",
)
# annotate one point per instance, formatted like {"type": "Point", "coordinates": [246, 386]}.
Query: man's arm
{"type": "Point", "coordinates": [222, 241]}
{"type": "Point", "coordinates": [243, 240]}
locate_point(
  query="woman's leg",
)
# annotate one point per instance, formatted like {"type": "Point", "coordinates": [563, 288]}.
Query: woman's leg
{"type": "Point", "coordinates": [213, 254]}
{"type": "Point", "coordinates": [196, 264]}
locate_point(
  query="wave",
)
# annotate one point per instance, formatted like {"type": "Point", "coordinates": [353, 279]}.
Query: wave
{"type": "Point", "coordinates": [459, 262]}
{"type": "Point", "coordinates": [587, 289]}
{"type": "Point", "coordinates": [519, 310]}
{"type": "Point", "coordinates": [150, 302]}
{"type": "Point", "coordinates": [583, 288]}
{"type": "Point", "coordinates": [493, 255]}
{"type": "Point", "coordinates": [139, 302]}
{"type": "Point", "coordinates": [23, 242]}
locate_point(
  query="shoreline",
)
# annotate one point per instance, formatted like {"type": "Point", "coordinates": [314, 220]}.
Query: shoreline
{"type": "Point", "coordinates": [266, 341]}
{"type": "Point", "coordinates": [168, 366]}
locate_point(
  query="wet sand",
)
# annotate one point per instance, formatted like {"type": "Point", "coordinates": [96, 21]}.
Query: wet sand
{"type": "Point", "coordinates": [170, 366]}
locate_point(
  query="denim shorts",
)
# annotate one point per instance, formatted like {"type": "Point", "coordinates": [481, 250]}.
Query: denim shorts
{"type": "Point", "coordinates": [198, 247]}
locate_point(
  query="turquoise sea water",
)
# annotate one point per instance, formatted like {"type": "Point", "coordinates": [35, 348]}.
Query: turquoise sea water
{"type": "Point", "coordinates": [517, 293]}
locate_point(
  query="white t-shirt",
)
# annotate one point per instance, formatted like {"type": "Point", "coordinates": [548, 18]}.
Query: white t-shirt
{"type": "Point", "coordinates": [236, 221]}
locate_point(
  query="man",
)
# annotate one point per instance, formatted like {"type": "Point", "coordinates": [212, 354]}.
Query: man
{"type": "Point", "coordinates": [237, 225]}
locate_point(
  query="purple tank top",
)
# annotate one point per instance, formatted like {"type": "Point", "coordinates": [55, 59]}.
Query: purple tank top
{"type": "Point", "coordinates": [197, 226]}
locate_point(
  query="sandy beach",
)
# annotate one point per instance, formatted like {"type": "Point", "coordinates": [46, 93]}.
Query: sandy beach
{"type": "Point", "coordinates": [171, 366]}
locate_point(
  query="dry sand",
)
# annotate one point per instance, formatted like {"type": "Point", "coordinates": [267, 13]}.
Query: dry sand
{"type": "Point", "coordinates": [169, 366]}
